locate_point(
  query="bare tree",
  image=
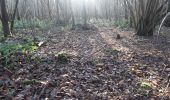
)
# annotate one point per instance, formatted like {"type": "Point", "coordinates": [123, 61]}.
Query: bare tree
{"type": "Point", "coordinates": [146, 15]}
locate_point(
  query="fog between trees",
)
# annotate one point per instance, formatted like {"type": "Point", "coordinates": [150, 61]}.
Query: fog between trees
{"type": "Point", "coordinates": [137, 13]}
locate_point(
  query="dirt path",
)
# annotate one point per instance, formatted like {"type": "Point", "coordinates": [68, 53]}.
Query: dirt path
{"type": "Point", "coordinates": [86, 44]}
{"type": "Point", "coordinates": [100, 68]}
{"type": "Point", "coordinates": [113, 42]}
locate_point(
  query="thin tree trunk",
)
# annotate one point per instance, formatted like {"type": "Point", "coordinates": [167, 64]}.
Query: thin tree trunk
{"type": "Point", "coordinates": [126, 10]}
{"type": "Point", "coordinates": [18, 15]}
{"type": "Point", "coordinates": [57, 11]}
{"type": "Point", "coordinates": [84, 14]}
{"type": "Point", "coordinates": [72, 15]}
{"type": "Point", "coordinates": [49, 10]}
{"type": "Point", "coordinates": [14, 14]}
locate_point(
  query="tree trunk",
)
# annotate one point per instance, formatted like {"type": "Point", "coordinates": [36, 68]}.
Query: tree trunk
{"type": "Point", "coordinates": [146, 15]}
{"type": "Point", "coordinates": [84, 14]}
{"type": "Point", "coordinates": [4, 18]}
{"type": "Point", "coordinates": [57, 12]}
{"type": "Point", "coordinates": [49, 10]}
{"type": "Point", "coordinates": [167, 22]}
{"type": "Point", "coordinates": [72, 15]}
{"type": "Point", "coordinates": [126, 10]}
{"type": "Point", "coordinates": [14, 14]}
{"type": "Point", "coordinates": [18, 15]}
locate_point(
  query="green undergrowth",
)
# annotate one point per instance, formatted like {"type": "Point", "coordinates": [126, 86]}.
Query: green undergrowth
{"type": "Point", "coordinates": [0, 27]}
{"type": "Point", "coordinates": [108, 23]}
{"type": "Point", "coordinates": [30, 82]}
{"type": "Point", "coordinates": [145, 88]}
{"type": "Point", "coordinates": [63, 58]}
{"type": "Point", "coordinates": [113, 52]}
{"type": "Point", "coordinates": [33, 23]}
{"type": "Point", "coordinates": [102, 22]}
{"type": "Point", "coordinates": [145, 85]}
{"type": "Point", "coordinates": [122, 23]}
{"type": "Point", "coordinates": [9, 49]}
{"type": "Point", "coordinates": [2, 38]}
{"type": "Point", "coordinates": [30, 24]}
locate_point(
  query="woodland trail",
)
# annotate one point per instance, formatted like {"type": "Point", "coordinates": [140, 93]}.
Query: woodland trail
{"type": "Point", "coordinates": [85, 43]}
{"type": "Point", "coordinates": [99, 67]}
{"type": "Point", "coordinates": [134, 59]}
{"type": "Point", "coordinates": [95, 43]}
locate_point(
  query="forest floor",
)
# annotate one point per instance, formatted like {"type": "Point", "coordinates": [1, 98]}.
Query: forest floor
{"type": "Point", "coordinates": [97, 66]}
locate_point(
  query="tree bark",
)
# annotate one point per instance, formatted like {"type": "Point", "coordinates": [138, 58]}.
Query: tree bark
{"type": "Point", "coordinates": [4, 18]}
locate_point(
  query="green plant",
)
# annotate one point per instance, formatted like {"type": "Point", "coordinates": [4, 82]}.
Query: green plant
{"type": "Point", "coordinates": [146, 85]}
{"type": "Point", "coordinates": [28, 47]}
{"type": "Point", "coordinates": [102, 22]}
{"type": "Point", "coordinates": [95, 61]}
{"type": "Point", "coordinates": [2, 38]}
{"type": "Point", "coordinates": [0, 27]}
{"type": "Point", "coordinates": [36, 58]}
{"type": "Point", "coordinates": [29, 82]}
{"type": "Point", "coordinates": [63, 58]}
{"type": "Point", "coordinates": [33, 23]}
{"type": "Point", "coordinates": [8, 49]}
{"type": "Point", "coordinates": [113, 51]}
{"type": "Point", "coordinates": [121, 23]}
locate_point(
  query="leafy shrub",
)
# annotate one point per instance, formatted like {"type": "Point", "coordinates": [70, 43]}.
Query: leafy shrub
{"type": "Point", "coordinates": [63, 58]}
